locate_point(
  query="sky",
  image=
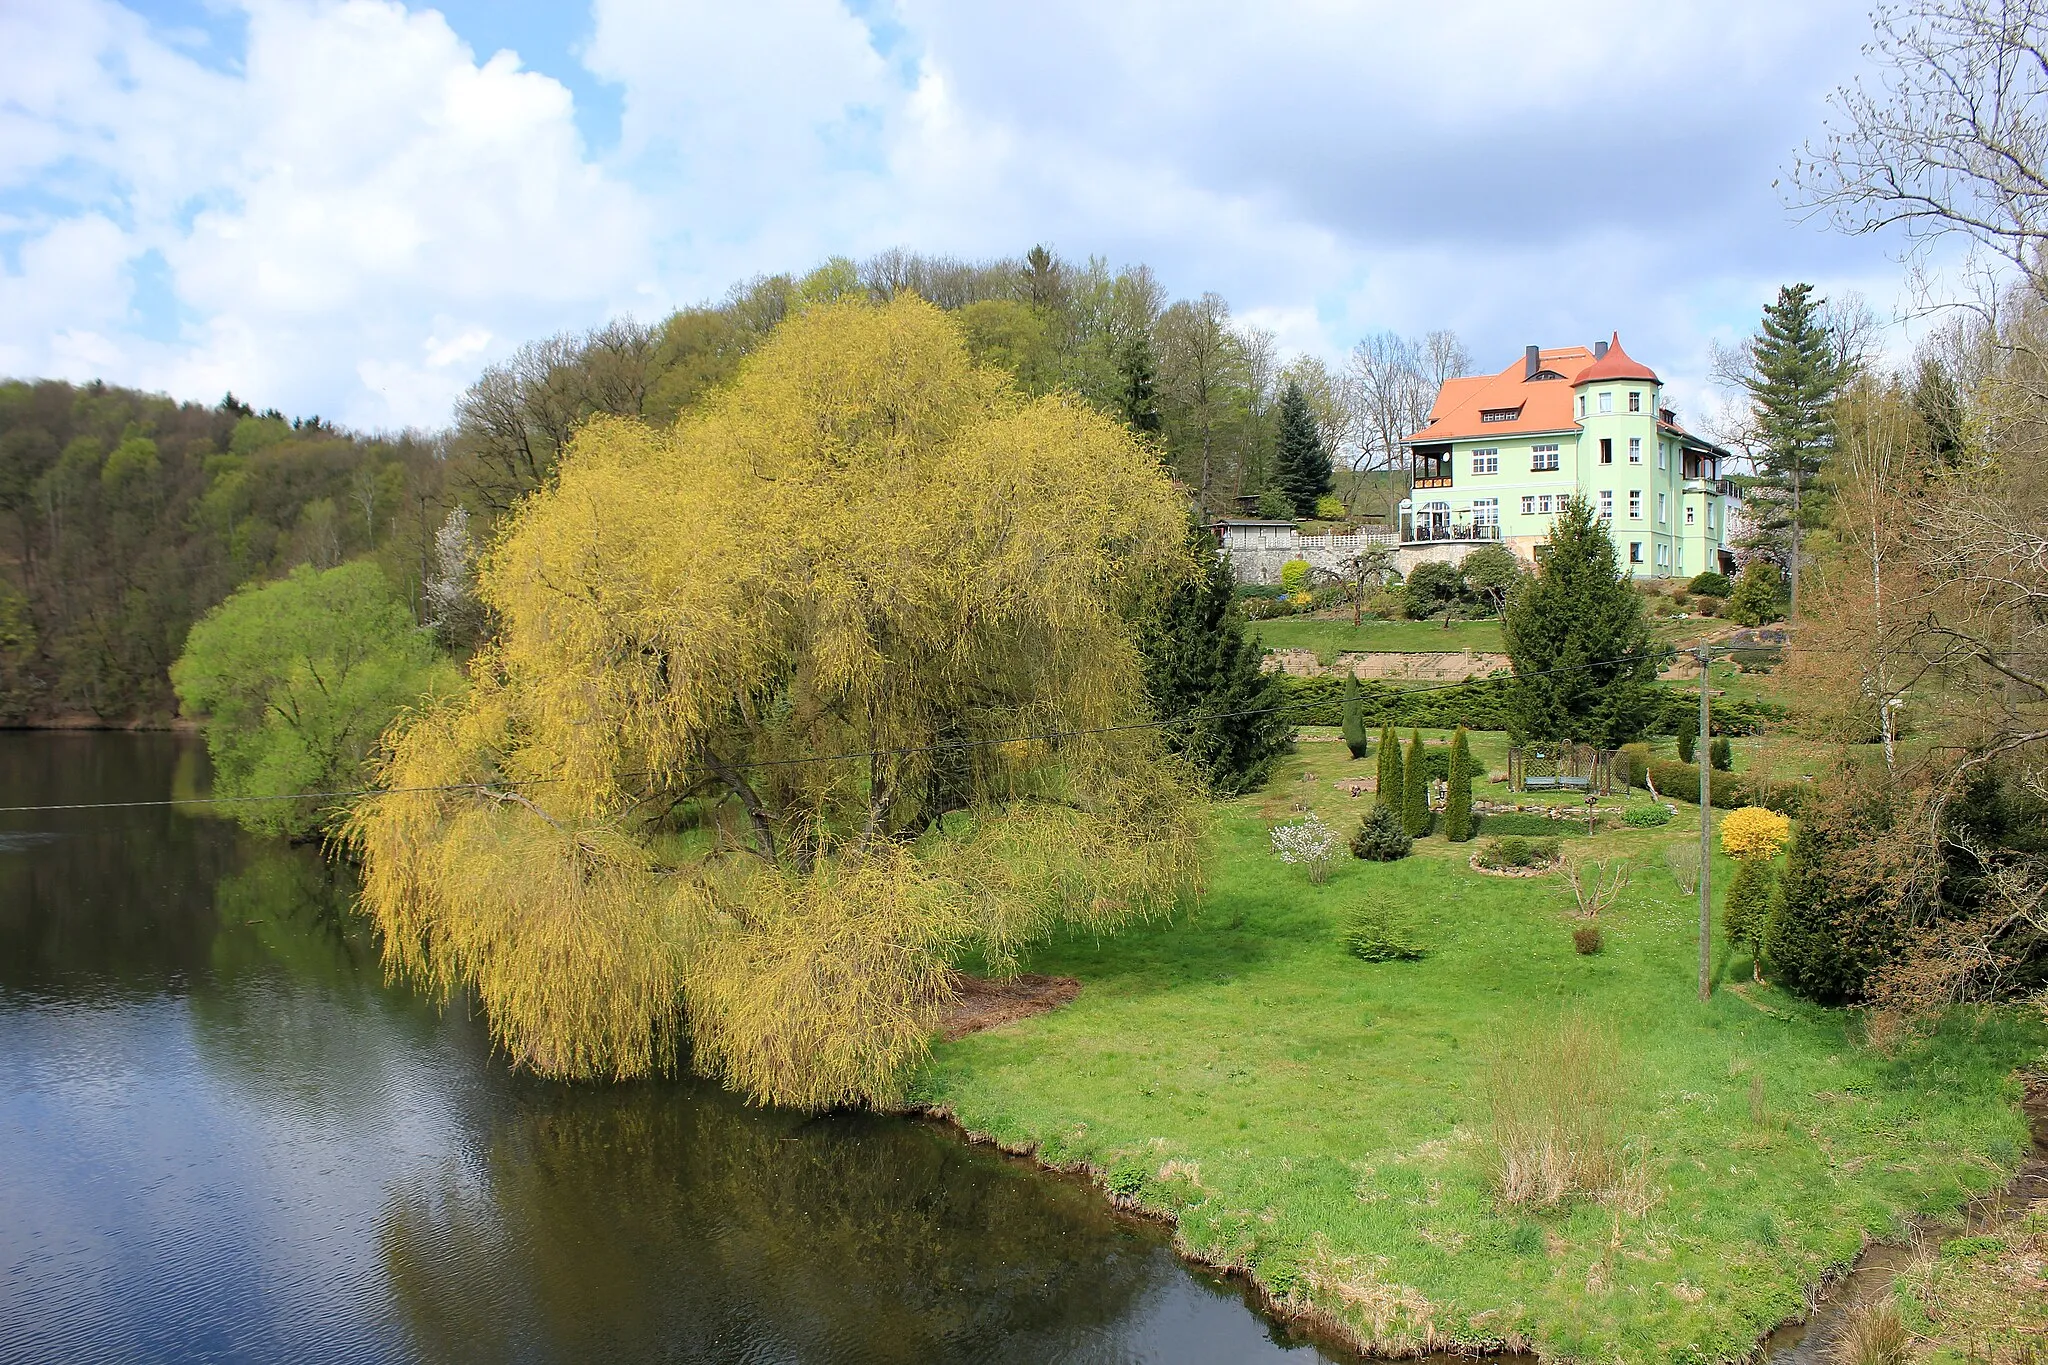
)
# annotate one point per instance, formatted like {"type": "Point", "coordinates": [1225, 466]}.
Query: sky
{"type": "Point", "coordinates": [350, 207]}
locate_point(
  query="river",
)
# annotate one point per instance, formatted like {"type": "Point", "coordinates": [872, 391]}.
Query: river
{"type": "Point", "coordinates": [223, 1137]}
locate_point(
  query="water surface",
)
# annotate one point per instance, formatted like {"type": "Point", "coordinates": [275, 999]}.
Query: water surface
{"type": "Point", "coordinates": [224, 1138]}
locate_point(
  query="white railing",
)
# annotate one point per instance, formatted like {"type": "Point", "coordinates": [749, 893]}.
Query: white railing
{"type": "Point", "coordinates": [1426, 533]}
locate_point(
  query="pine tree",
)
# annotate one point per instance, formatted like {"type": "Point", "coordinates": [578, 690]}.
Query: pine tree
{"type": "Point", "coordinates": [1688, 744]}
{"type": "Point", "coordinates": [1458, 795]}
{"type": "Point", "coordinates": [1415, 817]}
{"type": "Point", "coordinates": [1793, 379]}
{"type": "Point", "coordinates": [1721, 753]}
{"type": "Point", "coordinates": [1579, 640]}
{"type": "Point", "coordinates": [1354, 717]}
{"type": "Point", "coordinates": [1202, 673]}
{"type": "Point", "coordinates": [1301, 467]}
{"type": "Point", "coordinates": [1389, 787]}
{"type": "Point", "coordinates": [1139, 370]}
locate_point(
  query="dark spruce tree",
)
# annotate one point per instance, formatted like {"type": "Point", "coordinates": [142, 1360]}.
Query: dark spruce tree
{"type": "Point", "coordinates": [1202, 676]}
{"type": "Point", "coordinates": [1580, 643]}
{"type": "Point", "coordinates": [1793, 379]}
{"type": "Point", "coordinates": [1139, 371]}
{"type": "Point", "coordinates": [1301, 467]}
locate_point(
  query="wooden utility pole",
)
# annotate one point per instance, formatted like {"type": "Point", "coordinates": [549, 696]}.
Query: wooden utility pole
{"type": "Point", "coordinates": [1706, 835]}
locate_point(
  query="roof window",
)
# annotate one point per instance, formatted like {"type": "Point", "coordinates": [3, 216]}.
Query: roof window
{"type": "Point", "coordinates": [1499, 414]}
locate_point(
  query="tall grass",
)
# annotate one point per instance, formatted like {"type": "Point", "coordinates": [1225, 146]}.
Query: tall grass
{"type": "Point", "coordinates": [1555, 1088]}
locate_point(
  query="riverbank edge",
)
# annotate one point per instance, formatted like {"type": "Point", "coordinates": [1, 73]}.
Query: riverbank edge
{"type": "Point", "coordinates": [87, 723]}
{"type": "Point", "coordinates": [1323, 1328]}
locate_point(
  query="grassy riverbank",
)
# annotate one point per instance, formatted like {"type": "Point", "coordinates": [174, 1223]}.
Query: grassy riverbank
{"type": "Point", "coordinates": [1322, 1121]}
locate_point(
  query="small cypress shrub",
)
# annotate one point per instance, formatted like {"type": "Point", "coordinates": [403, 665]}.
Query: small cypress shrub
{"type": "Point", "coordinates": [1380, 837]}
{"type": "Point", "coordinates": [1721, 753]}
{"type": "Point", "coordinates": [1354, 717]}
{"type": "Point", "coordinates": [1390, 768]}
{"type": "Point", "coordinates": [1688, 745]}
{"type": "Point", "coordinates": [1415, 812]}
{"type": "Point", "coordinates": [1458, 794]}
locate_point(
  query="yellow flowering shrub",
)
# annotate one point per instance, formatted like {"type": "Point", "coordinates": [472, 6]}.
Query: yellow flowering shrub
{"type": "Point", "coordinates": [1753, 833]}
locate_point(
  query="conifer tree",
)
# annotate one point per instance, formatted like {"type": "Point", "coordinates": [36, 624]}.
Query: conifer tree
{"type": "Point", "coordinates": [1301, 467]}
{"type": "Point", "coordinates": [1354, 717]}
{"type": "Point", "coordinates": [1721, 753]}
{"type": "Point", "coordinates": [1793, 378]}
{"type": "Point", "coordinates": [1688, 744]}
{"type": "Point", "coordinates": [1202, 674]}
{"type": "Point", "coordinates": [1390, 774]}
{"type": "Point", "coordinates": [1458, 793]}
{"type": "Point", "coordinates": [1140, 373]}
{"type": "Point", "coordinates": [1579, 640]}
{"type": "Point", "coordinates": [1415, 816]}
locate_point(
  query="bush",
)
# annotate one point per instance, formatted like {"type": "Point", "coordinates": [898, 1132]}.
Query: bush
{"type": "Point", "coordinates": [1520, 822]}
{"type": "Point", "coordinates": [1688, 746]}
{"type": "Point", "coordinates": [1852, 877]}
{"type": "Point", "coordinates": [1632, 763]}
{"type": "Point", "coordinates": [1645, 817]}
{"type": "Point", "coordinates": [1504, 855]}
{"type": "Point", "coordinates": [1746, 909]}
{"type": "Point", "coordinates": [1433, 588]}
{"type": "Point", "coordinates": [1380, 838]}
{"type": "Point", "coordinates": [1331, 508]}
{"type": "Point", "coordinates": [1757, 660]}
{"type": "Point", "coordinates": [1294, 577]}
{"type": "Point", "coordinates": [1710, 584]}
{"type": "Point", "coordinates": [1374, 933]}
{"type": "Point", "coordinates": [1754, 834]}
{"type": "Point", "coordinates": [1586, 939]}
{"type": "Point", "coordinates": [1721, 754]}
{"type": "Point", "coordinates": [1309, 844]}
{"type": "Point", "coordinates": [1759, 597]}
{"type": "Point", "coordinates": [1681, 782]}
{"type": "Point", "coordinates": [1707, 606]}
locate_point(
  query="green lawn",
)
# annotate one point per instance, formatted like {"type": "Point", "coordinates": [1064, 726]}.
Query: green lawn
{"type": "Point", "coordinates": [1330, 638]}
{"type": "Point", "coordinates": [1322, 1122]}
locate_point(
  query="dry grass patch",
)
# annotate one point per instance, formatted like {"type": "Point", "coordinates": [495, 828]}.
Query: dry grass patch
{"type": "Point", "coordinates": [1554, 1089]}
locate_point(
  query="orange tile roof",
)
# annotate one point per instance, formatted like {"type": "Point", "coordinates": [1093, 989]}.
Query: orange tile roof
{"type": "Point", "coordinates": [1545, 404]}
{"type": "Point", "coordinates": [1616, 364]}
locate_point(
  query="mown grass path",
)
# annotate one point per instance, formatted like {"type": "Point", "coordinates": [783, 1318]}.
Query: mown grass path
{"type": "Point", "coordinates": [1322, 1121]}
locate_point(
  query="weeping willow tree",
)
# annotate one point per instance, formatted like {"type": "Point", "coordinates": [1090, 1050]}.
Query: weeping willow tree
{"type": "Point", "coordinates": [791, 706]}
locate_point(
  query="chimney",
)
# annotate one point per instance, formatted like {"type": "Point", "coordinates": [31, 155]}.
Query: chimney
{"type": "Point", "coordinates": [1599, 350]}
{"type": "Point", "coordinates": [1532, 361]}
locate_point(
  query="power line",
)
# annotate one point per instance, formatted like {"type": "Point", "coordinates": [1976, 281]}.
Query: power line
{"type": "Point", "coordinates": [945, 746]}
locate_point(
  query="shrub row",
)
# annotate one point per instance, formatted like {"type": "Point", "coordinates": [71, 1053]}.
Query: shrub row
{"type": "Point", "coordinates": [1521, 822]}
{"type": "Point", "coordinates": [1484, 705]}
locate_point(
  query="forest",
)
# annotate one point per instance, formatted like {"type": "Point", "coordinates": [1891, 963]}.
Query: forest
{"type": "Point", "coordinates": [128, 516]}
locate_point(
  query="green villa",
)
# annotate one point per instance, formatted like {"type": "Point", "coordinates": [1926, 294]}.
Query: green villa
{"type": "Point", "coordinates": [1502, 452]}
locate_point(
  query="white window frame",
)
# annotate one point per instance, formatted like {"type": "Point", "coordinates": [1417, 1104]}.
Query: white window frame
{"type": "Point", "coordinates": [1690, 512]}
{"type": "Point", "coordinates": [1607, 504]}
{"type": "Point", "coordinates": [1486, 511]}
{"type": "Point", "coordinates": [1635, 504]}
{"type": "Point", "coordinates": [1635, 450]}
{"type": "Point", "coordinates": [1663, 509]}
{"type": "Point", "coordinates": [1607, 400]}
{"type": "Point", "coordinates": [1486, 461]}
{"type": "Point", "coordinates": [1582, 405]}
{"type": "Point", "coordinates": [1543, 458]}
{"type": "Point", "coordinates": [1635, 400]}
{"type": "Point", "coordinates": [1663, 454]}
{"type": "Point", "coordinates": [1635, 552]}
{"type": "Point", "coordinates": [1528, 504]}
{"type": "Point", "coordinates": [1543, 504]}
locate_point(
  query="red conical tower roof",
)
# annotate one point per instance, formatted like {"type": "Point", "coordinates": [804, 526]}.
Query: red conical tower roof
{"type": "Point", "coordinates": [1616, 364]}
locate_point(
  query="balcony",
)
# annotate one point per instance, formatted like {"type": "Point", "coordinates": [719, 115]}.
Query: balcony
{"type": "Point", "coordinates": [1720, 488]}
{"type": "Point", "coordinates": [1443, 482]}
{"type": "Point", "coordinates": [1428, 533]}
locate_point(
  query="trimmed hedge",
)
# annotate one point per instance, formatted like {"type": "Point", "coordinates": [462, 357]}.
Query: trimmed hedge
{"type": "Point", "coordinates": [1481, 705]}
{"type": "Point", "coordinates": [1677, 781]}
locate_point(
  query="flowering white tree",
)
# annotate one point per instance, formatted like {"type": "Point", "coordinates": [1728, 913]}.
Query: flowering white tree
{"type": "Point", "coordinates": [1309, 844]}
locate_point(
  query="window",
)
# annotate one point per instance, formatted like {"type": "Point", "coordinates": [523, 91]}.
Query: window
{"type": "Point", "coordinates": [1689, 509]}
{"type": "Point", "coordinates": [1486, 461]}
{"type": "Point", "coordinates": [1635, 450]}
{"type": "Point", "coordinates": [1543, 457]}
{"type": "Point", "coordinates": [1606, 450]}
{"type": "Point", "coordinates": [1607, 504]}
{"type": "Point", "coordinates": [1710, 516]}
{"type": "Point", "coordinates": [1543, 504]}
{"type": "Point", "coordinates": [1486, 511]}
{"type": "Point", "coordinates": [1635, 504]}
{"type": "Point", "coordinates": [1606, 400]}
{"type": "Point", "coordinates": [1529, 505]}
{"type": "Point", "coordinates": [1662, 513]}
{"type": "Point", "coordinates": [1499, 414]}
{"type": "Point", "coordinates": [1663, 556]}
{"type": "Point", "coordinates": [1582, 405]}
{"type": "Point", "coordinates": [1635, 400]}
{"type": "Point", "coordinates": [1663, 455]}
{"type": "Point", "coordinates": [1635, 552]}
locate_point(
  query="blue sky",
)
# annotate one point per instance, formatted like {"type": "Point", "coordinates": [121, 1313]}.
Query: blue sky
{"type": "Point", "coordinates": [350, 206]}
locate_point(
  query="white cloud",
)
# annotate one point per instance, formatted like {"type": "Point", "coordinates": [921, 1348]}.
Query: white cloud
{"type": "Point", "coordinates": [358, 211]}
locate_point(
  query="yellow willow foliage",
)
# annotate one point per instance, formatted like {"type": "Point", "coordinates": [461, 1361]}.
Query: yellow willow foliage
{"type": "Point", "coordinates": [865, 543]}
{"type": "Point", "coordinates": [1754, 833]}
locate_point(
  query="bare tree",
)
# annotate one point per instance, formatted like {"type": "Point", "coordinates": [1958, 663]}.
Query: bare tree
{"type": "Point", "coordinates": [1393, 391]}
{"type": "Point", "coordinates": [1199, 366]}
{"type": "Point", "coordinates": [1444, 357]}
{"type": "Point", "coordinates": [1951, 139]}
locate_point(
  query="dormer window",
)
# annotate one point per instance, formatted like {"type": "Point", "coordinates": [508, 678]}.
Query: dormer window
{"type": "Point", "coordinates": [1499, 414]}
